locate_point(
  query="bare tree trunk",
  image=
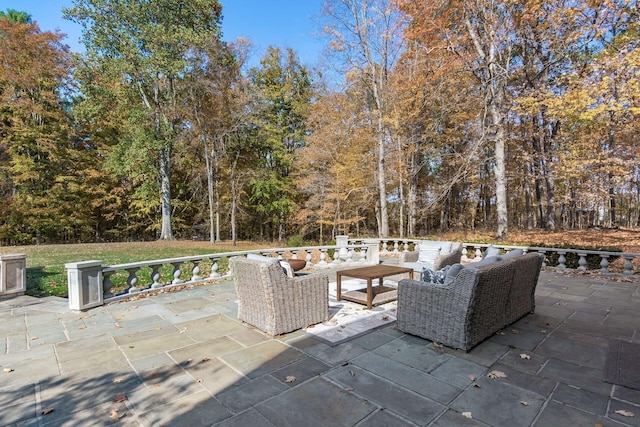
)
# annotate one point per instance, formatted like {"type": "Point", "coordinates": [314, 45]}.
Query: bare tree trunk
{"type": "Point", "coordinates": [207, 162]}
{"type": "Point", "coordinates": [165, 193]}
{"type": "Point", "coordinates": [499, 171]}
{"type": "Point", "coordinates": [234, 199]}
{"type": "Point", "coordinates": [411, 200]}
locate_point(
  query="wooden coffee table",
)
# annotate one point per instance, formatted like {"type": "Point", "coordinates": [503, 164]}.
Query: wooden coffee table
{"type": "Point", "coordinates": [371, 295]}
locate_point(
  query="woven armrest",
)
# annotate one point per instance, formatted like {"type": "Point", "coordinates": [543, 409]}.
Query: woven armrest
{"type": "Point", "coordinates": [408, 257]}
{"type": "Point", "coordinates": [449, 258]}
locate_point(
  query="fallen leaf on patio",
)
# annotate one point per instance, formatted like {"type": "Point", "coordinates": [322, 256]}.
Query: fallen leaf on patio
{"type": "Point", "coordinates": [199, 380]}
{"type": "Point", "coordinates": [7, 370]}
{"type": "Point", "coordinates": [290, 379]}
{"type": "Point", "coordinates": [205, 359]}
{"type": "Point", "coordinates": [311, 326]}
{"type": "Point", "coordinates": [349, 388]}
{"type": "Point", "coordinates": [46, 411]}
{"type": "Point", "coordinates": [158, 328]}
{"type": "Point", "coordinates": [118, 326]}
{"type": "Point", "coordinates": [133, 307]}
{"type": "Point", "coordinates": [114, 414]}
{"type": "Point", "coordinates": [132, 346]}
{"type": "Point", "coordinates": [476, 385]}
{"type": "Point", "coordinates": [353, 374]}
{"type": "Point", "coordinates": [524, 403]}
{"type": "Point", "coordinates": [500, 333]}
{"type": "Point", "coordinates": [625, 413]}
{"type": "Point", "coordinates": [524, 356]}
{"type": "Point", "coordinates": [385, 317]}
{"type": "Point", "coordinates": [82, 327]}
{"type": "Point", "coordinates": [33, 338]}
{"type": "Point", "coordinates": [515, 331]}
{"type": "Point", "coordinates": [471, 377]}
{"type": "Point", "coordinates": [467, 414]}
{"type": "Point", "coordinates": [117, 380]}
{"type": "Point", "coordinates": [119, 397]}
{"type": "Point", "coordinates": [394, 327]}
{"type": "Point", "coordinates": [544, 331]}
{"type": "Point", "coordinates": [496, 374]}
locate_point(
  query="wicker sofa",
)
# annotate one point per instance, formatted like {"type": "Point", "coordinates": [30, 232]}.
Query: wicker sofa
{"type": "Point", "coordinates": [451, 253]}
{"type": "Point", "coordinates": [481, 300]}
{"type": "Point", "coordinates": [275, 303]}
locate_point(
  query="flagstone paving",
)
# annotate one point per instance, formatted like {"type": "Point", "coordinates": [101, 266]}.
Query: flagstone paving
{"type": "Point", "coordinates": [182, 358]}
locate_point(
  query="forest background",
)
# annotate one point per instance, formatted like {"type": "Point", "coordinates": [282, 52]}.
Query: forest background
{"type": "Point", "coordinates": [445, 116]}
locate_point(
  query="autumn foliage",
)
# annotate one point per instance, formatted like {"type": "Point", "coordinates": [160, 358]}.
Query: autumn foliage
{"type": "Point", "coordinates": [443, 117]}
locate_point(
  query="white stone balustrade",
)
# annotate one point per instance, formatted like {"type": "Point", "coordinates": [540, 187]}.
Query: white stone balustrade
{"type": "Point", "coordinates": [90, 283]}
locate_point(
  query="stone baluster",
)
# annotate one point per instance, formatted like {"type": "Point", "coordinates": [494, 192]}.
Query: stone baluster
{"type": "Point", "coordinates": [107, 284]}
{"type": "Point", "coordinates": [350, 256]}
{"type": "Point", "coordinates": [582, 261]}
{"type": "Point", "coordinates": [214, 269]}
{"type": "Point", "coordinates": [478, 254]}
{"type": "Point", "coordinates": [308, 258]}
{"type": "Point", "coordinates": [562, 260]}
{"type": "Point", "coordinates": [604, 264]}
{"type": "Point", "coordinates": [628, 266]}
{"type": "Point", "coordinates": [195, 271]}
{"type": "Point", "coordinates": [464, 253]}
{"type": "Point", "coordinates": [132, 280]}
{"type": "Point", "coordinates": [176, 273]}
{"type": "Point", "coordinates": [323, 257]}
{"type": "Point", "coordinates": [384, 247]}
{"type": "Point", "coordinates": [155, 276]}
{"type": "Point", "coordinates": [395, 247]}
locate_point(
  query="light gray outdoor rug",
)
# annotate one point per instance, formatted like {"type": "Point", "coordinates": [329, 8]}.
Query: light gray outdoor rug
{"type": "Point", "coordinates": [622, 364]}
{"type": "Point", "coordinates": [348, 320]}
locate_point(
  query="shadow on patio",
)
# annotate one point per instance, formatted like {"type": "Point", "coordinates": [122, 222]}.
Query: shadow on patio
{"type": "Point", "coordinates": [181, 358]}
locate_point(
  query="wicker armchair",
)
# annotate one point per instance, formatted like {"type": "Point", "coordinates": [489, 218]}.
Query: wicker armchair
{"type": "Point", "coordinates": [410, 259]}
{"type": "Point", "coordinates": [525, 278]}
{"type": "Point", "coordinates": [460, 314]}
{"type": "Point", "coordinates": [275, 303]}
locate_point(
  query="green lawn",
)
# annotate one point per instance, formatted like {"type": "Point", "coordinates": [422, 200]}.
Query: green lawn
{"type": "Point", "coordinates": [46, 274]}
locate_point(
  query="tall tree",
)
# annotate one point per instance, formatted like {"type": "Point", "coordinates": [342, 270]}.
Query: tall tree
{"type": "Point", "coordinates": [366, 36]}
{"type": "Point", "coordinates": [213, 95]}
{"type": "Point", "coordinates": [145, 45]}
{"type": "Point", "coordinates": [283, 93]}
{"type": "Point", "coordinates": [34, 128]}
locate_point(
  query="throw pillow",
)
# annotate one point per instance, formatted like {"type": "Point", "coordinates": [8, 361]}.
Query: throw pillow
{"type": "Point", "coordinates": [428, 255]}
{"type": "Point", "coordinates": [491, 251]}
{"type": "Point", "coordinates": [262, 258]}
{"type": "Point", "coordinates": [427, 275]}
{"type": "Point", "coordinates": [286, 267]}
{"type": "Point", "coordinates": [486, 261]}
{"type": "Point", "coordinates": [452, 273]}
{"type": "Point", "coordinates": [513, 253]}
{"type": "Point", "coordinates": [430, 276]}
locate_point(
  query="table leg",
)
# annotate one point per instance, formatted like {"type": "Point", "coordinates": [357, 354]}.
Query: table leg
{"type": "Point", "coordinates": [369, 294]}
{"type": "Point", "coordinates": [338, 286]}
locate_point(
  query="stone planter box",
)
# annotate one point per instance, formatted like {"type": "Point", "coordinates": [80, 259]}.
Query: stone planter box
{"type": "Point", "coordinates": [13, 275]}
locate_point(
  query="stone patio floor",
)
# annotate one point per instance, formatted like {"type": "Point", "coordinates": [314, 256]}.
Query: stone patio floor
{"type": "Point", "coordinates": [182, 359]}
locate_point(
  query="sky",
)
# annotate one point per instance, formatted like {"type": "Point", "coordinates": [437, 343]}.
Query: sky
{"type": "Point", "coordinates": [282, 23]}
